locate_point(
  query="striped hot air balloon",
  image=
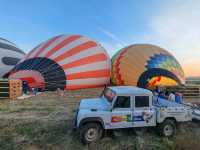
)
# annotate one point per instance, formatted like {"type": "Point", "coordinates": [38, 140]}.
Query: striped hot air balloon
{"type": "Point", "coordinates": [10, 55]}
{"type": "Point", "coordinates": [146, 65]}
{"type": "Point", "coordinates": [66, 62]}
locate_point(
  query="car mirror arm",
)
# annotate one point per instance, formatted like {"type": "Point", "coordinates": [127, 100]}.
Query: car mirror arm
{"type": "Point", "coordinates": [111, 108]}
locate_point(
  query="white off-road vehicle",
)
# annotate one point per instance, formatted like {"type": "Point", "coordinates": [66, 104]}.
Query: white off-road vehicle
{"type": "Point", "coordinates": [128, 107]}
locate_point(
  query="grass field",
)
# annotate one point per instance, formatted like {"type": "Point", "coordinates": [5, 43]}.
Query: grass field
{"type": "Point", "coordinates": [44, 122]}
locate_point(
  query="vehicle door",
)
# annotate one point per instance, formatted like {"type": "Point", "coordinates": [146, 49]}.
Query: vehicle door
{"type": "Point", "coordinates": [121, 115]}
{"type": "Point", "coordinates": [143, 114]}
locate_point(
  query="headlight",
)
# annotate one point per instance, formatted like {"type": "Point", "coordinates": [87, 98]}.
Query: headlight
{"type": "Point", "coordinates": [162, 110]}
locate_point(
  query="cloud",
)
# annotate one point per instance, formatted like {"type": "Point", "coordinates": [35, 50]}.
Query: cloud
{"type": "Point", "coordinates": [112, 36]}
{"type": "Point", "coordinates": [112, 45]}
{"type": "Point", "coordinates": [176, 27]}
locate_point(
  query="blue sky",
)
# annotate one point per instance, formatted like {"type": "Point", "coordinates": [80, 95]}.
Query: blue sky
{"type": "Point", "coordinates": [171, 24]}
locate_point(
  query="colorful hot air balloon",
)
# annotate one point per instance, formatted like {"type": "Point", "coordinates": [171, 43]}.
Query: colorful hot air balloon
{"type": "Point", "coordinates": [66, 62]}
{"type": "Point", "coordinates": [146, 65]}
{"type": "Point", "coordinates": [10, 55]}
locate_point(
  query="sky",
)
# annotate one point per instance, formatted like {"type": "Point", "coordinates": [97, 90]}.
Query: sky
{"type": "Point", "coordinates": [171, 24]}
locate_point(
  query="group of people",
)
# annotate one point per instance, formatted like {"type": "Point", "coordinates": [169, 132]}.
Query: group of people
{"type": "Point", "coordinates": [33, 90]}
{"type": "Point", "coordinates": [171, 96]}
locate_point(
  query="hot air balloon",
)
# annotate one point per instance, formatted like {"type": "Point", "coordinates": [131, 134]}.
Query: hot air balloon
{"type": "Point", "coordinates": [146, 66]}
{"type": "Point", "coordinates": [65, 62]}
{"type": "Point", "coordinates": [10, 55]}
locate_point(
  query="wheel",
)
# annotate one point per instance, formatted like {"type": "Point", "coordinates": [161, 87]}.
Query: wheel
{"type": "Point", "coordinates": [90, 132]}
{"type": "Point", "coordinates": [168, 128]}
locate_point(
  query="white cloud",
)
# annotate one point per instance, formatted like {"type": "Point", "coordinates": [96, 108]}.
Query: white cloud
{"type": "Point", "coordinates": [176, 27]}
{"type": "Point", "coordinates": [112, 36]}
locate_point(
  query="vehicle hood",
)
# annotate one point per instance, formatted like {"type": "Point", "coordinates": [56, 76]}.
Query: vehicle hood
{"type": "Point", "coordinates": [95, 103]}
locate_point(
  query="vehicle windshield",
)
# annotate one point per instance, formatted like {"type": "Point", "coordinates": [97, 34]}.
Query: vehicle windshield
{"type": "Point", "coordinates": [108, 94]}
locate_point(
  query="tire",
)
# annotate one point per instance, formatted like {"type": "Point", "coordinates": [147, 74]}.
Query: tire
{"type": "Point", "coordinates": [90, 132]}
{"type": "Point", "coordinates": [167, 128]}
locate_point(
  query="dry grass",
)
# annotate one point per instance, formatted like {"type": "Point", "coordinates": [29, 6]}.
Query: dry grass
{"type": "Point", "coordinates": [44, 122]}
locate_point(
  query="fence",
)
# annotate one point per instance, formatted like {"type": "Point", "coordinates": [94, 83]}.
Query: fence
{"type": "Point", "coordinates": [188, 91]}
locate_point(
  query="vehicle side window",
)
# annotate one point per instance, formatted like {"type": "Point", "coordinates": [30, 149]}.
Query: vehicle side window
{"type": "Point", "coordinates": [122, 102]}
{"type": "Point", "coordinates": [141, 101]}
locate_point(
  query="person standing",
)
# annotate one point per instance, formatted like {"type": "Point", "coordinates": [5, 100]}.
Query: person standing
{"type": "Point", "coordinates": [157, 91]}
{"type": "Point", "coordinates": [172, 97]}
{"type": "Point", "coordinates": [178, 97]}
{"type": "Point", "coordinates": [24, 87]}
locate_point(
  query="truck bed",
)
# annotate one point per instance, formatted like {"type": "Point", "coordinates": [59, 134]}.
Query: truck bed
{"type": "Point", "coordinates": [169, 109]}
{"type": "Point", "coordinates": [166, 103]}
{"type": "Point", "coordinates": [173, 108]}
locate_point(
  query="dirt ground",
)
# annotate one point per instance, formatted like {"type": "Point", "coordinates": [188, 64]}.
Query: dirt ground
{"type": "Point", "coordinates": [44, 122]}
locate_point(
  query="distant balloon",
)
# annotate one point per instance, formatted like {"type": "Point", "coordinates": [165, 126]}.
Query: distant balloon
{"type": "Point", "coordinates": [66, 62]}
{"type": "Point", "coordinates": [146, 65]}
{"type": "Point", "coordinates": [10, 55]}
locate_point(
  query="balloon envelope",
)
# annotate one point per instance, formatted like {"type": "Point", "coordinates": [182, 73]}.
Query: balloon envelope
{"type": "Point", "coordinates": [66, 62]}
{"type": "Point", "coordinates": [10, 55]}
{"type": "Point", "coordinates": [146, 65]}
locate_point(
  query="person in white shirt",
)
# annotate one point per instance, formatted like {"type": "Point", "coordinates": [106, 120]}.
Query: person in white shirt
{"type": "Point", "coordinates": [172, 97]}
